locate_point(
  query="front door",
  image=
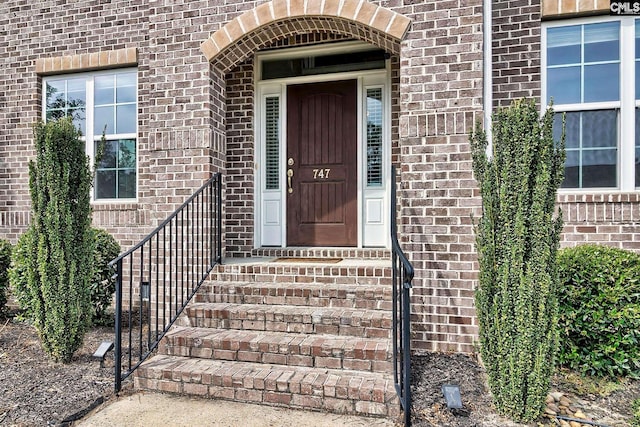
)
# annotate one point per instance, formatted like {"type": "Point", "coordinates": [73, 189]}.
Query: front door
{"type": "Point", "coordinates": [321, 164]}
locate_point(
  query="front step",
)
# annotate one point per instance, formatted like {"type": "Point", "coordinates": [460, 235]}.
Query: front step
{"type": "Point", "coordinates": [368, 297]}
{"type": "Point", "coordinates": [282, 318]}
{"type": "Point", "coordinates": [332, 390]}
{"type": "Point", "coordinates": [319, 351]}
{"type": "Point", "coordinates": [311, 336]}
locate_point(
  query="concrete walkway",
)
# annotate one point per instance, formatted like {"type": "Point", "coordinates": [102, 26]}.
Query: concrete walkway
{"type": "Point", "coordinates": [152, 409]}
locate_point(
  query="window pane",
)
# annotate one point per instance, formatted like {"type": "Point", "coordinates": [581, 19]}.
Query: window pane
{"type": "Point", "coordinates": [637, 79]}
{"type": "Point", "coordinates": [106, 184]}
{"type": "Point", "coordinates": [126, 89]}
{"type": "Point", "coordinates": [599, 168]}
{"type": "Point", "coordinates": [563, 85]}
{"type": "Point", "coordinates": [572, 130]}
{"type": "Point", "coordinates": [563, 45]}
{"type": "Point", "coordinates": [599, 129]}
{"type": "Point", "coordinates": [127, 153]}
{"type": "Point", "coordinates": [588, 165]}
{"type": "Point", "coordinates": [127, 184]}
{"type": "Point", "coordinates": [637, 142]}
{"type": "Point", "coordinates": [126, 118]}
{"type": "Point", "coordinates": [109, 155]}
{"type": "Point", "coordinates": [104, 90]}
{"type": "Point", "coordinates": [78, 116]}
{"type": "Point", "coordinates": [572, 170]}
{"type": "Point", "coordinates": [103, 116]}
{"type": "Point", "coordinates": [602, 82]}
{"type": "Point", "coordinates": [76, 92]}
{"type": "Point", "coordinates": [602, 42]}
{"type": "Point", "coordinates": [55, 94]}
{"type": "Point", "coordinates": [374, 137]}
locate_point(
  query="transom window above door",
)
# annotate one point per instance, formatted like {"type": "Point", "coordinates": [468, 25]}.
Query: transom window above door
{"type": "Point", "coordinates": [323, 64]}
{"type": "Point", "coordinates": [101, 103]}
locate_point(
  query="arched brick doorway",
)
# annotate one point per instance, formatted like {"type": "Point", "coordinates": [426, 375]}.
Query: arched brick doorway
{"type": "Point", "coordinates": [256, 217]}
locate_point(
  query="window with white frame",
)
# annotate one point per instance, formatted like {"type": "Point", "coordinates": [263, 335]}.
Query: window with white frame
{"type": "Point", "coordinates": [101, 103]}
{"type": "Point", "coordinates": [589, 71]}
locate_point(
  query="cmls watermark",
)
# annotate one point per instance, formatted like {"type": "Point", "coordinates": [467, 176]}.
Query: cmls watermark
{"type": "Point", "coordinates": [624, 7]}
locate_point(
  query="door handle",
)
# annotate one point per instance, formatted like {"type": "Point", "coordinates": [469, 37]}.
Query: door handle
{"type": "Point", "coordinates": [289, 178]}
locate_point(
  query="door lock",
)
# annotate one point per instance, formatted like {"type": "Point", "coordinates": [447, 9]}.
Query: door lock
{"type": "Point", "coordinates": [290, 162]}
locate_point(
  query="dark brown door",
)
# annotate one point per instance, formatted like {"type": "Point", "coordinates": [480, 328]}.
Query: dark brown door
{"type": "Point", "coordinates": [321, 164]}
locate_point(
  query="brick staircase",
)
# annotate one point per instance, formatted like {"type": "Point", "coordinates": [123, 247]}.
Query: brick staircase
{"type": "Point", "coordinates": [309, 334]}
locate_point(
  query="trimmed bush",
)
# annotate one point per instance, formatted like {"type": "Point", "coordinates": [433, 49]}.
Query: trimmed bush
{"type": "Point", "coordinates": [599, 297]}
{"type": "Point", "coordinates": [517, 241]}
{"type": "Point", "coordinates": [5, 261]}
{"type": "Point", "coordinates": [22, 264]}
{"type": "Point", "coordinates": [62, 243]}
{"type": "Point", "coordinates": [102, 284]}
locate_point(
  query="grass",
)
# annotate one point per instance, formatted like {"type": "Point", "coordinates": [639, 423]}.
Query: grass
{"type": "Point", "coordinates": [587, 385]}
{"type": "Point", "coordinates": [635, 407]}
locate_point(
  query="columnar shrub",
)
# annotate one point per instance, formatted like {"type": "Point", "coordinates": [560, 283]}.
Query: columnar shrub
{"type": "Point", "coordinates": [5, 260]}
{"type": "Point", "coordinates": [103, 285]}
{"type": "Point", "coordinates": [62, 244]}
{"type": "Point", "coordinates": [517, 240]}
{"type": "Point", "coordinates": [599, 297]}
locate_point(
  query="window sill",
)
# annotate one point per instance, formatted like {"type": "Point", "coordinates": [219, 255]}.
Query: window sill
{"type": "Point", "coordinates": [597, 196]}
{"type": "Point", "coordinates": [115, 205]}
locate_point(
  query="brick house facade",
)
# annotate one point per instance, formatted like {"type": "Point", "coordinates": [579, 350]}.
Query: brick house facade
{"type": "Point", "coordinates": [202, 106]}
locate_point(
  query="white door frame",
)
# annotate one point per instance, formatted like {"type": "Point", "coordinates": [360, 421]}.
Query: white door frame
{"type": "Point", "coordinates": [373, 202]}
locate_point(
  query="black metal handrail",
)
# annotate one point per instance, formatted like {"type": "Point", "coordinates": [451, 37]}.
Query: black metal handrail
{"type": "Point", "coordinates": [402, 276]}
{"type": "Point", "coordinates": [157, 278]}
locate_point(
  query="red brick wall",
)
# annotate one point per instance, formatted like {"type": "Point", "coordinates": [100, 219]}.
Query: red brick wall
{"type": "Point", "coordinates": [194, 120]}
{"type": "Point", "coordinates": [516, 50]}
{"type": "Point", "coordinates": [240, 161]}
{"type": "Point", "coordinates": [441, 97]}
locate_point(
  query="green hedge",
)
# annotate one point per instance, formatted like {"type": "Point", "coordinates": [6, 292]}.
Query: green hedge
{"type": "Point", "coordinates": [102, 285]}
{"type": "Point", "coordinates": [5, 261]}
{"type": "Point", "coordinates": [599, 298]}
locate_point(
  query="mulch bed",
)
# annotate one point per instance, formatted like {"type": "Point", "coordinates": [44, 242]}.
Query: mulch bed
{"type": "Point", "coordinates": [37, 392]}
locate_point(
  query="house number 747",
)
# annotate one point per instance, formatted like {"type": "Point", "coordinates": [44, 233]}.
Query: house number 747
{"type": "Point", "coordinates": [321, 173]}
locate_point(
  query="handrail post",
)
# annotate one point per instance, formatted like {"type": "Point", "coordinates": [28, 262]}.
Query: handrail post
{"type": "Point", "coordinates": [171, 258]}
{"type": "Point", "coordinates": [219, 217]}
{"type": "Point", "coordinates": [406, 353]}
{"type": "Point", "coordinates": [118, 326]}
{"type": "Point", "coordinates": [402, 275]}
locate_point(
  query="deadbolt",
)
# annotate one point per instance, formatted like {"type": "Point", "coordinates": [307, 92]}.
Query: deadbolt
{"type": "Point", "coordinates": [290, 162]}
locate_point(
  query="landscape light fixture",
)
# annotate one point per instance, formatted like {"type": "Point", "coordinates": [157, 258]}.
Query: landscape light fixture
{"type": "Point", "coordinates": [145, 291]}
{"type": "Point", "coordinates": [102, 351]}
{"type": "Point", "coordinates": [452, 396]}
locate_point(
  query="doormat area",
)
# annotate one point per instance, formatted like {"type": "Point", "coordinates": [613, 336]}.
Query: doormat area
{"type": "Point", "coordinates": [309, 260]}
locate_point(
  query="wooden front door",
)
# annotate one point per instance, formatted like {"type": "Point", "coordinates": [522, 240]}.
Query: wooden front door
{"type": "Point", "coordinates": [321, 164]}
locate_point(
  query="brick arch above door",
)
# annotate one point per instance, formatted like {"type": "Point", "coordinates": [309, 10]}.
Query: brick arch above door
{"type": "Point", "coordinates": [279, 19]}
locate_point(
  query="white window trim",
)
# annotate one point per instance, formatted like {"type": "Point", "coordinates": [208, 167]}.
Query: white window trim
{"type": "Point", "coordinates": [90, 137]}
{"type": "Point", "coordinates": [627, 103]}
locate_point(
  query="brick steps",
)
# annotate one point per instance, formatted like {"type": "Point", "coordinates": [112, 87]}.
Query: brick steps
{"type": "Point", "coordinates": [282, 318]}
{"type": "Point", "coordinates": [368, 297]}
{"type": "Point", "coordinates": [361, 272]}
{"type": "Point", "coordinates": [320, 351]}
{"type": "Point", "coordinates": [332, 390]}
{"type": "Point", "coordinates": [303, 335]}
